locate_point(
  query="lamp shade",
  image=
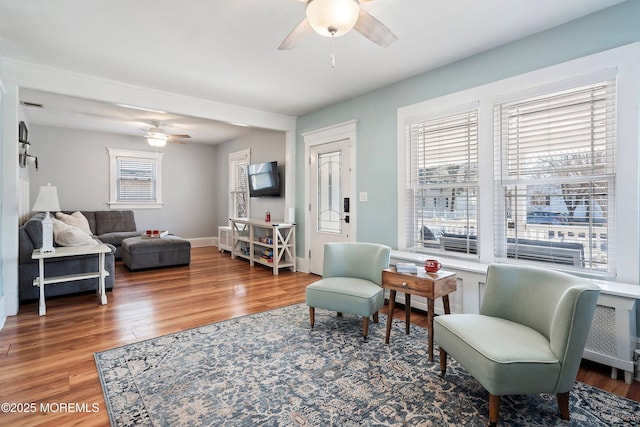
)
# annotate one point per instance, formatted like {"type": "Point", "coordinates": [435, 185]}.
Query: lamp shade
{"type": "Point", "coordinates": [332, 17]}
{"type": "Point", "coordinates": [47, 200]}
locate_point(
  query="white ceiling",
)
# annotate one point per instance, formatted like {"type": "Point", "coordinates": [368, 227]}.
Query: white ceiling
{"type": "Point", "coordinates": [226, 51]}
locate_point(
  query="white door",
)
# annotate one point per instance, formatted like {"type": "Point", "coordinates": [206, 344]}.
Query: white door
{"type": "Point", "coordinates": [331, 205]}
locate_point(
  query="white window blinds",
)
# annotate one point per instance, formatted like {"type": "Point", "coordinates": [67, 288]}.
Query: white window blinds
{"type": "Point", "coordinates": [442, 183]}
{"type": "Point", "coordinates": [238, 184]}
{"type": "Point", "coordinates": [136, 180]}
{"type": "Point", "coordinates": [555, 174]}
{"type": "Point", "coordinates": [240, 189]}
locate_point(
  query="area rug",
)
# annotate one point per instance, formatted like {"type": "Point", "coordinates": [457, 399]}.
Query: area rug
{"type": "Point", "coordinates": [271, 369]}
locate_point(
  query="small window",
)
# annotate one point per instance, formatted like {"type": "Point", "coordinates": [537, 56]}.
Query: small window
{"type": "Point", "coordinates": [238, 184]}
{"type": "Point", "coordinates": [135, 179]}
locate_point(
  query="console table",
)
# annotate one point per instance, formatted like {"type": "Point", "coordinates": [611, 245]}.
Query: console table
{"type": "Point", "coordinates": [40, 281]}
{"type": "Point", "coordinates": [268, 243]}
{"type": "Point", "coordinates": [428, 285]}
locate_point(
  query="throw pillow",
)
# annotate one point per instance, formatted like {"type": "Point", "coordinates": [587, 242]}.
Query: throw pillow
{"type": "Point", "coordinates": [76, 219]}
{"type": "Point", "coordinates": [68, 235]}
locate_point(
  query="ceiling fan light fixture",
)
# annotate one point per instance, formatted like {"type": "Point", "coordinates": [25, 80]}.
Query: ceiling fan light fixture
{"type": "Point", "coordinates": [332, 18]}
{"type": "Point", "coordinates": [156, 137]}
{"type": "Point", "coordinates": [157, 142]}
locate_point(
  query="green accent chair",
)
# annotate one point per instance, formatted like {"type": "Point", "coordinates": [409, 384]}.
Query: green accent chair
{"type": "Point", "coordinates": [529, 336]}
{"type": "Point", "coordinates": [351, 281]}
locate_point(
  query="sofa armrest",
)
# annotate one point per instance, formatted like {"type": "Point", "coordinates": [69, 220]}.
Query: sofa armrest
{"type": "Point", "coordinates": [25, 247]}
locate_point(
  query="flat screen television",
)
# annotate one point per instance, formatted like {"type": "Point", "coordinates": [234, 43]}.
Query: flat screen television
{"type": "Point", "coordinates": [263, 179]}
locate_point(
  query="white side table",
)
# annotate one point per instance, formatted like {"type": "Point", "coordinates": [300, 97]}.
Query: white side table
{"type": "Point", "coordinates": [61, 252]}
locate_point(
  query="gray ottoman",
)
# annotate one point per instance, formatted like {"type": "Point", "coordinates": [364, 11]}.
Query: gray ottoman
{"type": "Point", "coordinates": [141, 252]}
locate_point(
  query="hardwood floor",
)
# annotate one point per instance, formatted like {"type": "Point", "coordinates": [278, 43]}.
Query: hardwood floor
{"type": "Point", "coordinates": [47, 362]}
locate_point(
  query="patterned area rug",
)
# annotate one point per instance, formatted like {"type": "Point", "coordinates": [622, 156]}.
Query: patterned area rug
{"type": "Point", "coordinates": [271, 369]}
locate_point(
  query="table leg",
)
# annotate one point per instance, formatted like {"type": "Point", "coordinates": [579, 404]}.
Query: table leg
{"type": "Point", "coordinates": [42, 308]}
{"type": "Point", "coordinates": [430, 308]}
{"type": "Point", "coordinates": [392, 303]}
{"type": "Point", "coordinates": [102, 292]}
{"type": "Point", "coordinates": [407, 312]}
{"type": "Point", "coordinates": [445, 303]}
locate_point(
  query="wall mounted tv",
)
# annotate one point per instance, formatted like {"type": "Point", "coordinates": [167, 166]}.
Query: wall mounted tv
{"type": "Point", "coordinates": [263, 179]}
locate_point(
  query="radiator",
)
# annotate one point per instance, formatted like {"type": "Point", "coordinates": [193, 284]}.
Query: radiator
{"type": "Point", "coordinates": [225, 239]}
{"type": "Point", "coordinates": [611, 339]}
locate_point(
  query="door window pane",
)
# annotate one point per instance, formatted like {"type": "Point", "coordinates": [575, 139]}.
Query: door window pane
{"type": "Point", "coordinates": [329, 192]}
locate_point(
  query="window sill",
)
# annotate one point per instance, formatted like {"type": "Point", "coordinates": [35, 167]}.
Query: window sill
{"type": "Point", "coordinates": [120, 205]}
{"type": "Point", "coordinates": [458, 264]}
{"type": "Point", "coordinates": [607, 286]}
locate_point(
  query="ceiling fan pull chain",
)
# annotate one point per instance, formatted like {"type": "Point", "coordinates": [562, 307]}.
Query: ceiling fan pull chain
{"type": "Point", "coordinates": [333, 49]}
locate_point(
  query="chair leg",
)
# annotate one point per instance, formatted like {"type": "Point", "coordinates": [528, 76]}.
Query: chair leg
{"type": "Point", "coordinates": [312, 316]}
{"type": "Point", "coordinates": [443, 362]}
{"type": "Point", "coordinates": [563, 404]}
{"type": "Point", "coordinates": [375, 317]}
{"type": "Point", "coordinates": [494, 409]}
{"type": "Point", "coordinates": [365, 327]}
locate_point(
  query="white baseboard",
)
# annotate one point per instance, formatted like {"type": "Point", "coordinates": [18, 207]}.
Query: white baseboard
{"type": "Point", "coordinates": [302, 265]}
{"type": "Point", "coordinates": [3, 312]}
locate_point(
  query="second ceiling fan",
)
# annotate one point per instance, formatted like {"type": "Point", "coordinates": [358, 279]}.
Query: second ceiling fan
{"type": "Point", "coordinates": [157, 137]}
{"type": "Point", "coordinates": [333, 18]}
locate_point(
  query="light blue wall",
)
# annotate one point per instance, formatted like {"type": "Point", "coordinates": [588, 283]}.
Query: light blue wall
{"type": "Point", "coordinates": [376, 111]}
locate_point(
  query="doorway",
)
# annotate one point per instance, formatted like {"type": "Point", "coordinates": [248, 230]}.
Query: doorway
{"type": "Point", "coordinates": [331, 185]}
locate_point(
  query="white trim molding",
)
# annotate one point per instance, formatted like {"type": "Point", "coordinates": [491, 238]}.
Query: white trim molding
{"type": "Point", "coordinates": [625, 61]}
{"type": "Point", "coordinates": [337, 132]}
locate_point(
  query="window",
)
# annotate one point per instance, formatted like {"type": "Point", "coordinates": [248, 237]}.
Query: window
{"type": "Point", "coordinates": [555, 159]}
{"type": "Point", "coordinates": [238, 184]}
{"type": "Point", "coordinates": [135, 179]}
{"type": "Point", "coordinates": [442, 182]}
{"type": "Point", "coordinates": [557, 169]}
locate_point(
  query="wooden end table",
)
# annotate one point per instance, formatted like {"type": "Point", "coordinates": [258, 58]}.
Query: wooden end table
{"type": "Point", "coordinates": [40, 281]}
{"type": "Point", "coordinates": [428, 285]}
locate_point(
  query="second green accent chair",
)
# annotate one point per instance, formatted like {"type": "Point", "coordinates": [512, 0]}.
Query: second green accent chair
{"type": "Point", "coordinates": [351, 281]}
{"type": "Point", "coordinates": [529, 336]}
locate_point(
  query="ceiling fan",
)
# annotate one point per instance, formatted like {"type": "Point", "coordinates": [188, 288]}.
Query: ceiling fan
{"type": "Point", "coordinates": [157, 137]}
{"type": "Point", "coordinates": [334, 18]}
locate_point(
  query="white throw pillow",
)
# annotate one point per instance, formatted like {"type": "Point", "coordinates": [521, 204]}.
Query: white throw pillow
{"type": "Point", "coordinates": [77, 220]}
{"type": "Point", "coordinates": [68, 235]}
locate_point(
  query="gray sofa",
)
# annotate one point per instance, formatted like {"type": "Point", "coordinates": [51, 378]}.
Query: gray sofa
{"type": "Point", "coordinates": [109, 227]}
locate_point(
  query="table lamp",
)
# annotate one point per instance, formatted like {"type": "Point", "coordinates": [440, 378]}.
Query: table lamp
{"type": "Point", "coordinates": [47, 201]}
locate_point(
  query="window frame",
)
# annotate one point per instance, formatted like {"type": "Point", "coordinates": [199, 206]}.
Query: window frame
{"type": "Point", "coordinates": [507, 176]}
{"type": "Point", "coordinates": [435, 120]}
{"type": "Point", "coordinates": [625, 63]}
{"type": "Point", "coordinates": [241, 156]}
{"type": "Point", "coordinates": [117, 154]}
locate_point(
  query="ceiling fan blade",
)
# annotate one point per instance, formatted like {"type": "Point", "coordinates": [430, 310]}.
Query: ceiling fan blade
{"type": "Point", "coordinates": [374, 30]}
{"type": "Point", "coordinates": [179, 136]}
{"type": "Point", "coordinates": [302, 30]}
